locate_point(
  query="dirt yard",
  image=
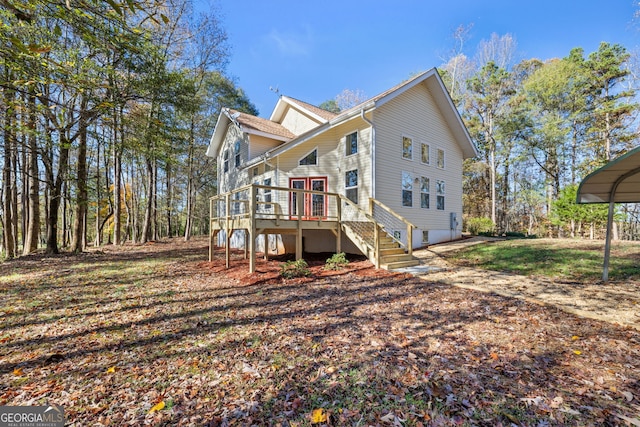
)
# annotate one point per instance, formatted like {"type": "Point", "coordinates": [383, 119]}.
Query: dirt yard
{"type": "Point", "coordinates": [617, 302]}
{"type": "Point", "coordinates": [156, 335]}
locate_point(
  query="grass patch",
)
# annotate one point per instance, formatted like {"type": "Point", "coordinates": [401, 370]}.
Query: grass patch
{"type": "Point", "coordinates": [554, 258]}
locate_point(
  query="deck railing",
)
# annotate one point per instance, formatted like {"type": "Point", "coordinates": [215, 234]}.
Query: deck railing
{"type": "Point", "coordinates": [391, 221]}
{"type": "Point", "coordinates": [259, 202]}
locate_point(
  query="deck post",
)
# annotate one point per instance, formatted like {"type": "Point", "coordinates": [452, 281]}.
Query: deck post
{"type": "Point", "coordinates": [253, 192]}
{"type": "Point", "coordinates": [300, 210]}
{"type": "Point", "coordinates": [211, 237]}
{"type": "Point", "coordinates": [266, 247]}
{"type": "Point", "coordinates": [339, 233]}
{"type": "Point", "coordinates": [409, 239]}
{"type": "Point", "coordinates": [227, 221]}
{"type": "Point", "coordinates": [376, 244]}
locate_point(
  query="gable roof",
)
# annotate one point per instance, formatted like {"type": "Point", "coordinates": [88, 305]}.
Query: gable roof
{"type": "Point", "coordinates": [247, 123]}
{"type": "Point", "coordinates": [436, 87]}
{"type": "Point", "coordinates": [317, 113]}
{"type": "Point", "coordinates": [327, 120]}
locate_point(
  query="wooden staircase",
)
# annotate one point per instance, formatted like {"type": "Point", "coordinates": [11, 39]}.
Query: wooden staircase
{"type": "Point", "coordinates": [393, 256]}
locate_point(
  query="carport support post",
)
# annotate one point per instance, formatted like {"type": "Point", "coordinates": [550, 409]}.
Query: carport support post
{"type": "Point", "coordinates": [607, 244]}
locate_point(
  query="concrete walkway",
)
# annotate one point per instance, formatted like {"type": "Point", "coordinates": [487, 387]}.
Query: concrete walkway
{"type": "Point", "coordinates": [614, 302]}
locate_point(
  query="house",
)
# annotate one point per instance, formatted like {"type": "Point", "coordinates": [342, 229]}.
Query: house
{"type": "Point", "coordinates": [381, 178]}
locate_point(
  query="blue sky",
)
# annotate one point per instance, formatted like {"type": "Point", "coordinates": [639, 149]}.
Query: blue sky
{"type": "Point", "coordinates": [312, 50]}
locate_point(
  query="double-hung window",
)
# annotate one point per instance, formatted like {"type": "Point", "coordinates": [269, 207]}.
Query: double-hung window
{"type": "Point", "coordinates": [236, 151]}
{"type": "Point", "coordinates": [351, 185]}
{"type": "Point", "coordinates": [225, 161]}
{"type": "Point", "coordinates": [424, 192]}
{"type": "Point", "coordinates": [351, 144]}
{"type": "Point", "coordinates": [407, 189]}
{"type": "Point", "coordinates": [440, 195]}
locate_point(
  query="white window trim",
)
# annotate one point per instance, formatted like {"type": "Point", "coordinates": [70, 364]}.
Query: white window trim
{"type": "Point", "coordinates": [351, 188]}
{"type": "Point", "coordinates": [402, 189]}
{"type": "Point", "coordinates": [444, 158]}
{"type": "Point", "coordinates": [357, 132]}
{"type": "Point", "coordinates": [443, 194]}
{"type": "Point", "coordinates": [429, 151]}
{"type": "Point", "coordinates": [423, 239]}
{"type": "Point", "coordinates": [309, 152]}
{"type": "Point", "coordinates": [428, 193]}
{"type": "Point", "coordinates": [413, 143]}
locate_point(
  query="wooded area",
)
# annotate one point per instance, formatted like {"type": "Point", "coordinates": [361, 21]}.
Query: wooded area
{"type": "Point", "coordinates": [107, 109]}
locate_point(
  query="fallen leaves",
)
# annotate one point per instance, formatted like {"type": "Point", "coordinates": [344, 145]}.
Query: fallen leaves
{"type": "Point", "coordinates": [162, 337]}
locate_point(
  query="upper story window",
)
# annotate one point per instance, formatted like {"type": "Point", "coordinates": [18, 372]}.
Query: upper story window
{"type": "Point", "coordinates": [407, 148]}
{"type": "Point", "coordinates": [351, 185]}
{"type": "Point", "coordinates": [440, 158]}
{"type": "Point", "coordinates": [407, 189]}
{"type": "Point", "coordinates": [236, 152]}
{"type": "Point", "coordinates": [351, 144]}
{"type": "Point", "coordinates": [225, 161]}
{"type": "Point", "coordinates": [424, 152]}
{"type": "Point", "coordinates": [310, 159]}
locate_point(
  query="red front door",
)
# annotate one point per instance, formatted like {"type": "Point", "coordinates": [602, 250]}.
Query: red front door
{"type": "Point", "coordinates": [314, 205]}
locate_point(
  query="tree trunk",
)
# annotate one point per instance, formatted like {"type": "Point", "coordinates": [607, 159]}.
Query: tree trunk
{"type": "Point", "coordinates": [7, 179]}
{"type": "Point", "coordinates": [33, 224]}
{"type": "Point", "coordinates": [117, 173]}
{"type": "Point", "coordinates": [146, 227]}
{"type": "Point", "coordinates": [55, 196]}
{"type": "Point", "coordinates": [79, 229]}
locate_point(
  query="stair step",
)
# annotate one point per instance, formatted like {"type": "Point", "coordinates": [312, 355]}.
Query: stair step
{"type": "Point", "coordinates": [389, 245]}
{"type": "Point", "coordinates": [384, 259]}
{"type": "Point", "coordinates": [400, 264]}
{"type": "Point", "coordinates": [384, 252]}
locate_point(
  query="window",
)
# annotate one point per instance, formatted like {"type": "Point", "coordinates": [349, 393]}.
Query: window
{"type": "Point", "coordinates": [266, 194]}
{"type": "Point", "coordinates": [236, 151]}
{"type": "Point", "coordinates": [407, 148]}
{"type": "Point", "coordinates": [424, 192]}
{"type": "Point", "coordinates": [225, 162]}
{"type": "Point", "coordinates": [425, 236]}
{"type": "Point", "coordinates": [351, 185]}
{"type": "Point", "coordinates": [310, 159]}
{"type": "Point", "coordinates": [440, 195]}
{"type": "Point", "coordinates": [255, 171]}
{"type": "Point", "coordinates": [440, 158]}
{"type": "Point", "coordinates": [425, 154]}
{"type": "Point", "coordinates": [351, 143]}
{"type": "Point", "coordinates": [397, 234]}
{"type": "Point", "coordinates": [407, 189]}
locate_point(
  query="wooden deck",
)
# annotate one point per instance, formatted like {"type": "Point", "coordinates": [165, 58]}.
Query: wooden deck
{"type": "Point", "coordinates": [265, 210]}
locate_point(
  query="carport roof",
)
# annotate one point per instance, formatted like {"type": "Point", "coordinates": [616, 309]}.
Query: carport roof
{"type": "Point", "coordinates": [617, 181]}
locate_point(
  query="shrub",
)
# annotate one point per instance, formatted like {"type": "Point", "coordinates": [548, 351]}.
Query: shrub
{"type": "Point", "coordinates": [480, 226]}
{"type": "Point", "coordinates": [336, 262]}
{"type": "Point", "coordinates": [291, 269]}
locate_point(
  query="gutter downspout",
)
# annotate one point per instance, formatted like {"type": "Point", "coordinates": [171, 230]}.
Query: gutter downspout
{"type": "Point", "coordinates": [373, 154]}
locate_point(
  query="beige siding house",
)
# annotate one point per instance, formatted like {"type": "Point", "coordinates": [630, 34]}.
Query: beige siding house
{"type": "Point", "coordinates": [395, 159]}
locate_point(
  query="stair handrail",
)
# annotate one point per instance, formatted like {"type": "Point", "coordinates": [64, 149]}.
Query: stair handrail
{"type": "Point", "coordinates": [409, 224]}
{"type": "Point", "coordinates": [377, 227]}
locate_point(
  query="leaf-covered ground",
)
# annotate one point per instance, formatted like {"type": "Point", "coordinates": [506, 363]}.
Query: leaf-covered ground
{"type": "Point", "coordinates": [156, 335]}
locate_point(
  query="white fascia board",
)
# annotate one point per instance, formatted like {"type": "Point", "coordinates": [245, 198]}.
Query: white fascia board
{"type": "Point", "coordinates": [318, 130]}
{"type": "Point", "coordinates": [218, 134]}
{"type": "Point", "coordinates": [265, 134]}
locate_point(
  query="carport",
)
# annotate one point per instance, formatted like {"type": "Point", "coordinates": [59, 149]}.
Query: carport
{"type": "Point", "coordinates": [616, 182]}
